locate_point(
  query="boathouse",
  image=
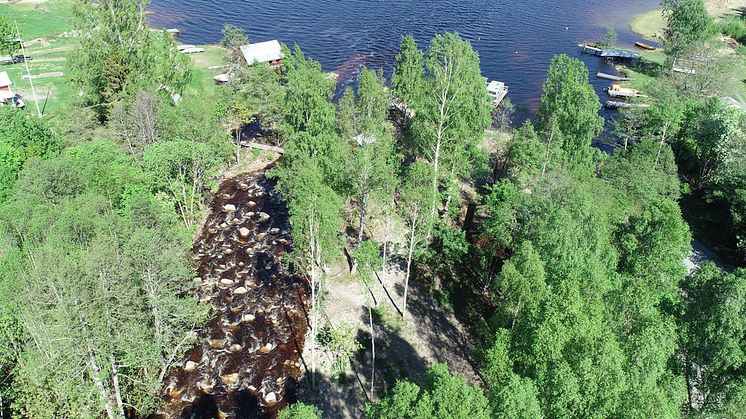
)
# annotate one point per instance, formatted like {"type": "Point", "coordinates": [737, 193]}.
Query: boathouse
{"type": "Point", "coordinates": [269, 52]}
{"type": "Point", "coordinates": [5, 81]}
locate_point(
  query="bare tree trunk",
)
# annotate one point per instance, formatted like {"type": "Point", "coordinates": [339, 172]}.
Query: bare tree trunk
{"type": "Point", "coordinates": [361, 219]}
{"type": "Point", "coordinates": [115, 381]}
{"type": "Point", "coordinates": [373, 356]}
{"type": "Point", "coordinates": [409, 265]}
{"type": "Point", "coordinates": [105, 397]}
{"type": "Point", "coordinates": [660, 146]}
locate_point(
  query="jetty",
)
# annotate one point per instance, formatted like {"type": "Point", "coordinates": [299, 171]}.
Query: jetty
{"type": "Point", "coordinates": [614, 104]}
{"type": "Point", "coordinates": [612, 77]}
{"type": "Point", "coordinates": [609, 53]}
{"type": "Point", "coordinates": [497, 91]}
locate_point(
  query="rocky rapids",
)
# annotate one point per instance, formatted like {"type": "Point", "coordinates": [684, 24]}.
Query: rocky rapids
{"type": "Point", "coordinates": [248, 359]}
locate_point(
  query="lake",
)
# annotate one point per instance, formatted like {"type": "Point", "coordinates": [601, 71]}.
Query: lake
{"type": "Point", "coordinates": [516, 39]}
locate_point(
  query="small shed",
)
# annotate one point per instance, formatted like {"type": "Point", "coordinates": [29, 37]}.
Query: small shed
{"type": "Point", "coordinates": [5, 81]}
{"type": "Point", "coordinates": [269, 52]}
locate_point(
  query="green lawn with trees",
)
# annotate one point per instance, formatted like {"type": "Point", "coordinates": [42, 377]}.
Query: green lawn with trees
{"type": "Point", "coordinates": [570, 283]}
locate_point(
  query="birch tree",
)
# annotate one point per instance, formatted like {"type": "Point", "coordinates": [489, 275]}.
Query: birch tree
{"type": "Point", "coordinates": [415, 197]}
{"type": "Point", "coordinates": [454, 110]}
{"type": "Point", "coordinates": [315, 217]}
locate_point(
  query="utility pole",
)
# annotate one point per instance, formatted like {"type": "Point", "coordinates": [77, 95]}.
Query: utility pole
{"type": "Point", "coordinates": [28, 72]}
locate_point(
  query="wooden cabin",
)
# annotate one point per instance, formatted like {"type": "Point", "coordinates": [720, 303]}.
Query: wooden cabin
{"type": "Point", "coordinates": [269, 52]}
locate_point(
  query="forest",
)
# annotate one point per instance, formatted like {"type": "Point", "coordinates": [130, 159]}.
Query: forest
{"type": "Point", "coordinates": [563, 263]}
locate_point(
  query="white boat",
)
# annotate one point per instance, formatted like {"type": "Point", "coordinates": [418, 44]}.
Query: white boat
{"type": "Point", "coordinates": [613, 104]}
{"type": "Point", "coordinates": [497, 91]}
{"type": "Point", "coordinates": [221, 79]}
{"type": "Point", "coordinates": [183, 47]}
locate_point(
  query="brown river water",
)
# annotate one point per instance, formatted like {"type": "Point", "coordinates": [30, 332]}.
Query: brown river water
{"type": "Point", "coordinates": [248, 359]}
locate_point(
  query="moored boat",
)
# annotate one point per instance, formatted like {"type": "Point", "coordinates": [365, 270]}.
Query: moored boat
{"type": "Point", "coordinates": [640, 44]}
{"type": "Point", "coordinates": [612, 77]}
{"type": "Point", "coordinates": [616, 90]}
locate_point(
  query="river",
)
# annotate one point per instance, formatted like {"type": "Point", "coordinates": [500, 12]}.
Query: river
{"type": "Point", "coordinates": [248, 359]}
{"type": "Point", "coordinates": [516, 39]}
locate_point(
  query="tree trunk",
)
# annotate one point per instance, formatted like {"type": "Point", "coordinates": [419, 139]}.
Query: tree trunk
{"type": "Point", "coordinates": [436, 163]}
{"type": "Point", "coordinates": [660, 146]}
{"type": "Point", "coordinates": [115, 381]}
{"type": "Point", "coordinates": [409, 265]}
{"type": "Point", "coordinates": [373, 355]}
{"type": "Point", "coordinates": [361, 219]}
{"type": "Point", "coordinates": [103, 394]}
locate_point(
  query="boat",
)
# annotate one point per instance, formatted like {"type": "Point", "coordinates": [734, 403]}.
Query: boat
{"type": "Point", "coordinates": [221, 79]}
{"type": "Point", "coordinates": [615, 104]}
{"type": "Point", "coordinates": [612, 77]}
{"type": "Point", "coordinates": [183, 47]}
{"type": "Point", "coordinates": [616, 90]}
{"type": "Point", "coordinates": [192, 50]}
{"type": "Point", "coordinates": [640, 44]}
{"type": "Point", "coordinates": [173, 31]}
{"type": "Point", "coordinates": [497, 91]}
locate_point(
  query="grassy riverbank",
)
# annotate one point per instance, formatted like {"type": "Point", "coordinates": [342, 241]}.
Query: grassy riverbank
{"type": "Point", "coordinates": [45, 27]}
{"type": "Point", "coordinates": [651, 25]}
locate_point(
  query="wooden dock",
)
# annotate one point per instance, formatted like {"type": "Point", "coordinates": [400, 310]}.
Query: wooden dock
{"type": "Point", "coordinates": [590, 49]}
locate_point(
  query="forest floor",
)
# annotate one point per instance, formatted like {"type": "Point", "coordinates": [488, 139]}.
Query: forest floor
{"type": "Point", "coordinates": [405, 346]}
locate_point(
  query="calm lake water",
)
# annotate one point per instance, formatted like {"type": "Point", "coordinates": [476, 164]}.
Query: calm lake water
{"type": "Point", "coordinates": [515, 38]}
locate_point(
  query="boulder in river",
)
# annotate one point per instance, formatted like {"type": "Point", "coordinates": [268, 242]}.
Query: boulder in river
{"type": "Point", "coordinates": [190, 366]}
{"type": "Point", "coordinates": [229, 208]}
{"type": "Point", "coordinates": [240, 291]}
{"type": "Point", "coordinates": [263, 216]}
{"type": "Point", "coordinates": [270, 398]}
{"type": "Point", "coordinates": [229, 379]}
{"type": "Point", "coordinates": [244, 232]}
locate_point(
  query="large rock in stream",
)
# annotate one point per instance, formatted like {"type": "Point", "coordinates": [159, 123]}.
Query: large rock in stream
{"type": "Point", "coordinates": [247, 363]}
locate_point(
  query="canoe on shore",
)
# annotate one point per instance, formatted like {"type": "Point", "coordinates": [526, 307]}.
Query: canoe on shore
{"type": "Point", "coordinates": [612, 77]}
{"type": "Point", "coordinates": [643, 45]}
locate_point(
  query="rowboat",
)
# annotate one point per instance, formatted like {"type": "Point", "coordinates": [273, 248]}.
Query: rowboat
{"type": "Point", "coordinates": [192, 50]}
{"type": "Point", "coordinates": [612, 77]}
{"type": "Point", "coordinates": [643, 45]}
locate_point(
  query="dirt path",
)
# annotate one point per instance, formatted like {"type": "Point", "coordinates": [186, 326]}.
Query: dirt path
{"type": "Point", "coordinates": [701, 255]}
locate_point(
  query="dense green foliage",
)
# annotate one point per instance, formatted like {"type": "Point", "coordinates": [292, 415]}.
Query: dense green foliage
{"type": "Point", "coordinates": [437, 395]}
{"type": "Point", "coordinates": [8, 35]}
{"type": "Point", "coordinates": [687, 22]}
{"type": "Point", "coordinates": [571, 277]}
{"type": "Point", "coordinates": [119, 56]}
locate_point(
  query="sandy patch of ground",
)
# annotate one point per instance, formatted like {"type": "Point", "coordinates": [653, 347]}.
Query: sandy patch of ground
{"type": "Point", "coordinates": [719, 8]}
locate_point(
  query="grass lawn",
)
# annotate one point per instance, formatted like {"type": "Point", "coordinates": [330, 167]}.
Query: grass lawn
{"type": "Point", "coordinates": [202, 82]}
{"type": "Point", "coordinates": [42, 27]}
{"type": "Point", "coordinates": [650, 25]}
